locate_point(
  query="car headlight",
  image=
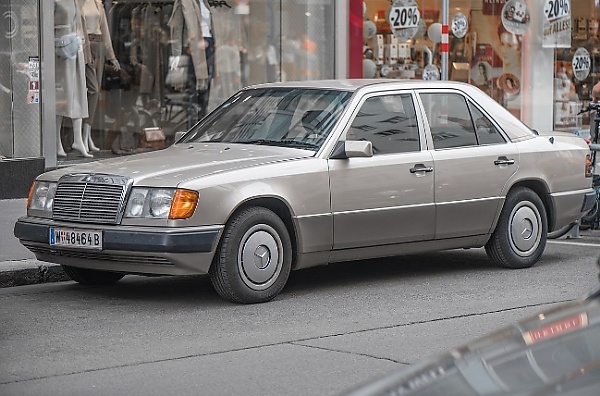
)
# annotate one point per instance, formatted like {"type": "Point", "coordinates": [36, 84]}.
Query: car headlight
{"type": "Point", "coordinates": [41, 196]}
{"type": "Point", "coordinates": [161, 203]}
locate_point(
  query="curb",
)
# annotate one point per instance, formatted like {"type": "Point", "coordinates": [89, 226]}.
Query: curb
{"type": "Point", "coordinates": [30, 272]}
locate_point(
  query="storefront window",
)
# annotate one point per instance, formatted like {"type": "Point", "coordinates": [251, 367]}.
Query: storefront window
{"type": "Point", "coordinates": [19, 79]}
{"type": "Point", "coordinates": [483, 48]}
{"type": "Point", "coordinates": [577, 69]}
{"type": "Point", "coordinates": [154, 68]}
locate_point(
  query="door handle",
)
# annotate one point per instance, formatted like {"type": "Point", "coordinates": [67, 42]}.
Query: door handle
{"type": "Point", "coordinates": [504, 161]}
{"type": "Point", "coordinates": [421, 168]}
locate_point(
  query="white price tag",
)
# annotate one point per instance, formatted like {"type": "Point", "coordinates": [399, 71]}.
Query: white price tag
{"type": "Point", "coordinates": [581, 64]}
{"type": "Point", "coordinates": [404, 17]}
{"type": "Point", "coordinates": [555, 9]}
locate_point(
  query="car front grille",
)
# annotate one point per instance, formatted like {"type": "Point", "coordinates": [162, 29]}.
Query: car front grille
{"type": "Point", "coordinates": [90, 198]}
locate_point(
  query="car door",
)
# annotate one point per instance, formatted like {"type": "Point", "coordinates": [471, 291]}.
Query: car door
{"type": "Point", "coordinates": [386, 198]}
{"type": "Point", "coordinates": [473, 162]}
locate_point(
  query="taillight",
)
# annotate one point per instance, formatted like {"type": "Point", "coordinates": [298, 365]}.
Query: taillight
{"type": "Point", "coordinates": [589, 168]}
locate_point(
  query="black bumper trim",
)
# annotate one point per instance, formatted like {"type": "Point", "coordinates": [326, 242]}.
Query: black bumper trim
{"type": "Point", "coordinates": [143, 241]}
{"type": "Point", "coordinates": [588, 202]}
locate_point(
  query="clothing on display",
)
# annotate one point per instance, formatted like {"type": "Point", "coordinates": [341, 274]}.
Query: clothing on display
{"type": "Point", "coordinates": [71, 98]}
{"type": "Point", "coordinates": [100, 47]}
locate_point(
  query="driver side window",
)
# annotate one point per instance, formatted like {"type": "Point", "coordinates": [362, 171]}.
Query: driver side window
{"type": "Point", "coordinates": [389, 122]}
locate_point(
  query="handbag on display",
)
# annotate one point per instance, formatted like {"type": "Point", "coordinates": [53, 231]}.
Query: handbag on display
{"type": "Point", "coordinates": [177, 75]}
{"type": "Point", "coordinates": [153, 138]}
{"type": "Point", "coordinates": [67, 46]}
{"type": "Point", "coordinates": [114, 78]}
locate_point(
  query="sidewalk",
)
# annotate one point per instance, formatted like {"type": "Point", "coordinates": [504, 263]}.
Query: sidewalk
{"type": "Point", "coordinates": [18, 266]}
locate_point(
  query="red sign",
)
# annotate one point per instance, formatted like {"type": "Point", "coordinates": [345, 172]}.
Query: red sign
{"type": "Point", "coordinates": [493, 7]}
{"type": "Point", "coordinates": [555, 329]}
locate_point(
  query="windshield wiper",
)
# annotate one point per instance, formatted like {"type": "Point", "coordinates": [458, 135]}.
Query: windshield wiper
{"type": "Point", "coordinates": [282, 143]}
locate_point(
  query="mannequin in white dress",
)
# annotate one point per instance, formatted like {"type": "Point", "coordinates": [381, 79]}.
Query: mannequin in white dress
{"type": "Point", "coordinates": [71, 98]}
{"type": "Point", "coordinates": [99, 45]}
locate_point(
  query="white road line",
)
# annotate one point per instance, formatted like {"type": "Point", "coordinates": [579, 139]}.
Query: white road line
{"type": "Point", "coordinates": [568, 242]}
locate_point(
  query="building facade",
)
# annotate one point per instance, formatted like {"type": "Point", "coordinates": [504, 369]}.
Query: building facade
{"type": "Point", "coordinates": [87, 79]}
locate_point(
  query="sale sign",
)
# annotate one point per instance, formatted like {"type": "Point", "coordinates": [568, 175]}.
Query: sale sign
{"type": "Point", "coordinates": [404, 17]}
{"type": "Point", "coordinates": [557, 24]}
{"type": "Point", "coordinates": [581, 64]}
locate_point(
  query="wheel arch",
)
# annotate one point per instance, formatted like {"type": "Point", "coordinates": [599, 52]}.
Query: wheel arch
{"type": "Point", "coordinates": [539, 187]}
{"type": "Point", "coordinates": [282, 209]}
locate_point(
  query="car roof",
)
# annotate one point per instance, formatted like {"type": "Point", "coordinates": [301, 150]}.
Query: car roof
{"type": "Point", "coordinates": [355, 84]}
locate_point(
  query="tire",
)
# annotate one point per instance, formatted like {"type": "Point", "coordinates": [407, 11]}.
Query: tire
{"type": "Point", "coordinates": [92, 277]}
{"type": "Point", "coordinates": [522, 230]}
{"type": "Point", "coordinates": [254, 258]}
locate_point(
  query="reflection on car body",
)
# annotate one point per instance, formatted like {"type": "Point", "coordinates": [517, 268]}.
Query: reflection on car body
{"type": "Point", "coordinates": [290, 175]}
{"type": "Point", "coordinates": [552, 353]}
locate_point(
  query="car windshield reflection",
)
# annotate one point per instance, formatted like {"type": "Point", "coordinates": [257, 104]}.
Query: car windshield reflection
{"type": "Point", "coordinates": [296, 118]}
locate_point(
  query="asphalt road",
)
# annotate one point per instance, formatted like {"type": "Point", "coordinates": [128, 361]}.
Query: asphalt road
{"type": "Point", "coordinates": [332, 327]}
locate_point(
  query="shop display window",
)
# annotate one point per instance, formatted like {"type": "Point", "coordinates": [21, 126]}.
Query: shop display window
{"type": "Point", "coordinates": [484, 44]}
{"type": "Point", "coordinates": [19, 80]}
{"type": "Point", "coordinates": [146, 70]}
{"type": "Point", "coordinates": [577, 70]}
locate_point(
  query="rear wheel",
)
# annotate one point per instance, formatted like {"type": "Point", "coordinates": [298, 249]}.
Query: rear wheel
{"type": "Point", "coordinates": [254, 258]}
{"type": "Point", "coordinates": [87, 276]}
{"type": "Point", "coordinates": [520, 235]}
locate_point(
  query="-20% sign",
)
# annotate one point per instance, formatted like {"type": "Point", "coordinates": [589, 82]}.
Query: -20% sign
{"type": "Point", "coordinates": [581, 64]}
{"type": "Point", "coordinates": [404, 17]}
{"type": "Point", "coordinates": [555, 9]}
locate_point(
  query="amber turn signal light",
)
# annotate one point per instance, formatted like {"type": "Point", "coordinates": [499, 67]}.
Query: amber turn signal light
{"type": "Point", "coordinates": [30, 194]}
{"type": "Point", "coordinates": [183, 205]}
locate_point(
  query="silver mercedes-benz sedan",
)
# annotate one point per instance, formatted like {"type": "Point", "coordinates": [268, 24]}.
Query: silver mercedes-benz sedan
{"type": "Point", "coordinates": [286, 176]}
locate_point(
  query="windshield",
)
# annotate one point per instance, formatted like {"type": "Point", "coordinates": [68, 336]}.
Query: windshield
{"type": "Point", "coordinates": [287, 117]}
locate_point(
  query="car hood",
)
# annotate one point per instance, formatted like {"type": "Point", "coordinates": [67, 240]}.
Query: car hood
{"type": "Point", "coordinates": [556, 349]}
{"type": "Point", "coordinates": [185, 161]}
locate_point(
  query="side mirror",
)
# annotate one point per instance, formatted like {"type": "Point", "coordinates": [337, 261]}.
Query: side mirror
{"type": "Point", "coordinates": [178, 135]}
{"type": "Point", "coordinates": [345, 149]}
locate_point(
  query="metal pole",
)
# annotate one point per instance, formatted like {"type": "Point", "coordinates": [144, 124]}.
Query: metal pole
{"type": "Point", "coordinates": [444, 45]}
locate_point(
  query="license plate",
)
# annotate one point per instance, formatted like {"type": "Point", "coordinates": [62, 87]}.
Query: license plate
{"type": "Point", "coordinates": [88, 239]}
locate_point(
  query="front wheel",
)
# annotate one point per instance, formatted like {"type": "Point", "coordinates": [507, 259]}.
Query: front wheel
{"type": "Point", "coordinates": [93, 277]}
{"type": "Point", "coordinates": [520, 235]}
{"type": "Point", "coordinates": [254, 258]}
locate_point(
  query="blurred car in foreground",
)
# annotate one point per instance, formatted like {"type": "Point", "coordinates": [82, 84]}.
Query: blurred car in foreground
{"type": "Point", "coordinates": [556, 352]}
{"type": "Point", "coordinates": [290, 175]}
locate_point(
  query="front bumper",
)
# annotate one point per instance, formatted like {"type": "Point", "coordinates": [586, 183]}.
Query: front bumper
{"type": "Point", "coordinates": [144, 250]}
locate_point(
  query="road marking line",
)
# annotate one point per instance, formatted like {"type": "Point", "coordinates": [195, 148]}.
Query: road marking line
{"type": "Point", "coordinates": [566, 242]}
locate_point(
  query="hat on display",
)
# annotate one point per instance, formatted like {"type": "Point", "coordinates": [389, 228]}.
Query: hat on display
{"type": "Point", "coordinates": [67, 46]}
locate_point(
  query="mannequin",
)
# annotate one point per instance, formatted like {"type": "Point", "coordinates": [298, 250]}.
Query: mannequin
{"type": "Point", "coordinates": [195, 18]}
{"type": "Point", "coordinates": [230, 42]}
{"type": "Point", "coordinates": [71, 99]}
{"type": "Point", "coordinates": [99, 48]}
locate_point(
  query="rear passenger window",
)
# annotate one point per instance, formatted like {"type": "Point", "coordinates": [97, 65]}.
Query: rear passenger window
{"type": "Point", "coordinates": [389, 122]}
{"type": "Point", "coordinates": [487, 133]}
{"type": "Point", "coordinates": [449, 120]}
